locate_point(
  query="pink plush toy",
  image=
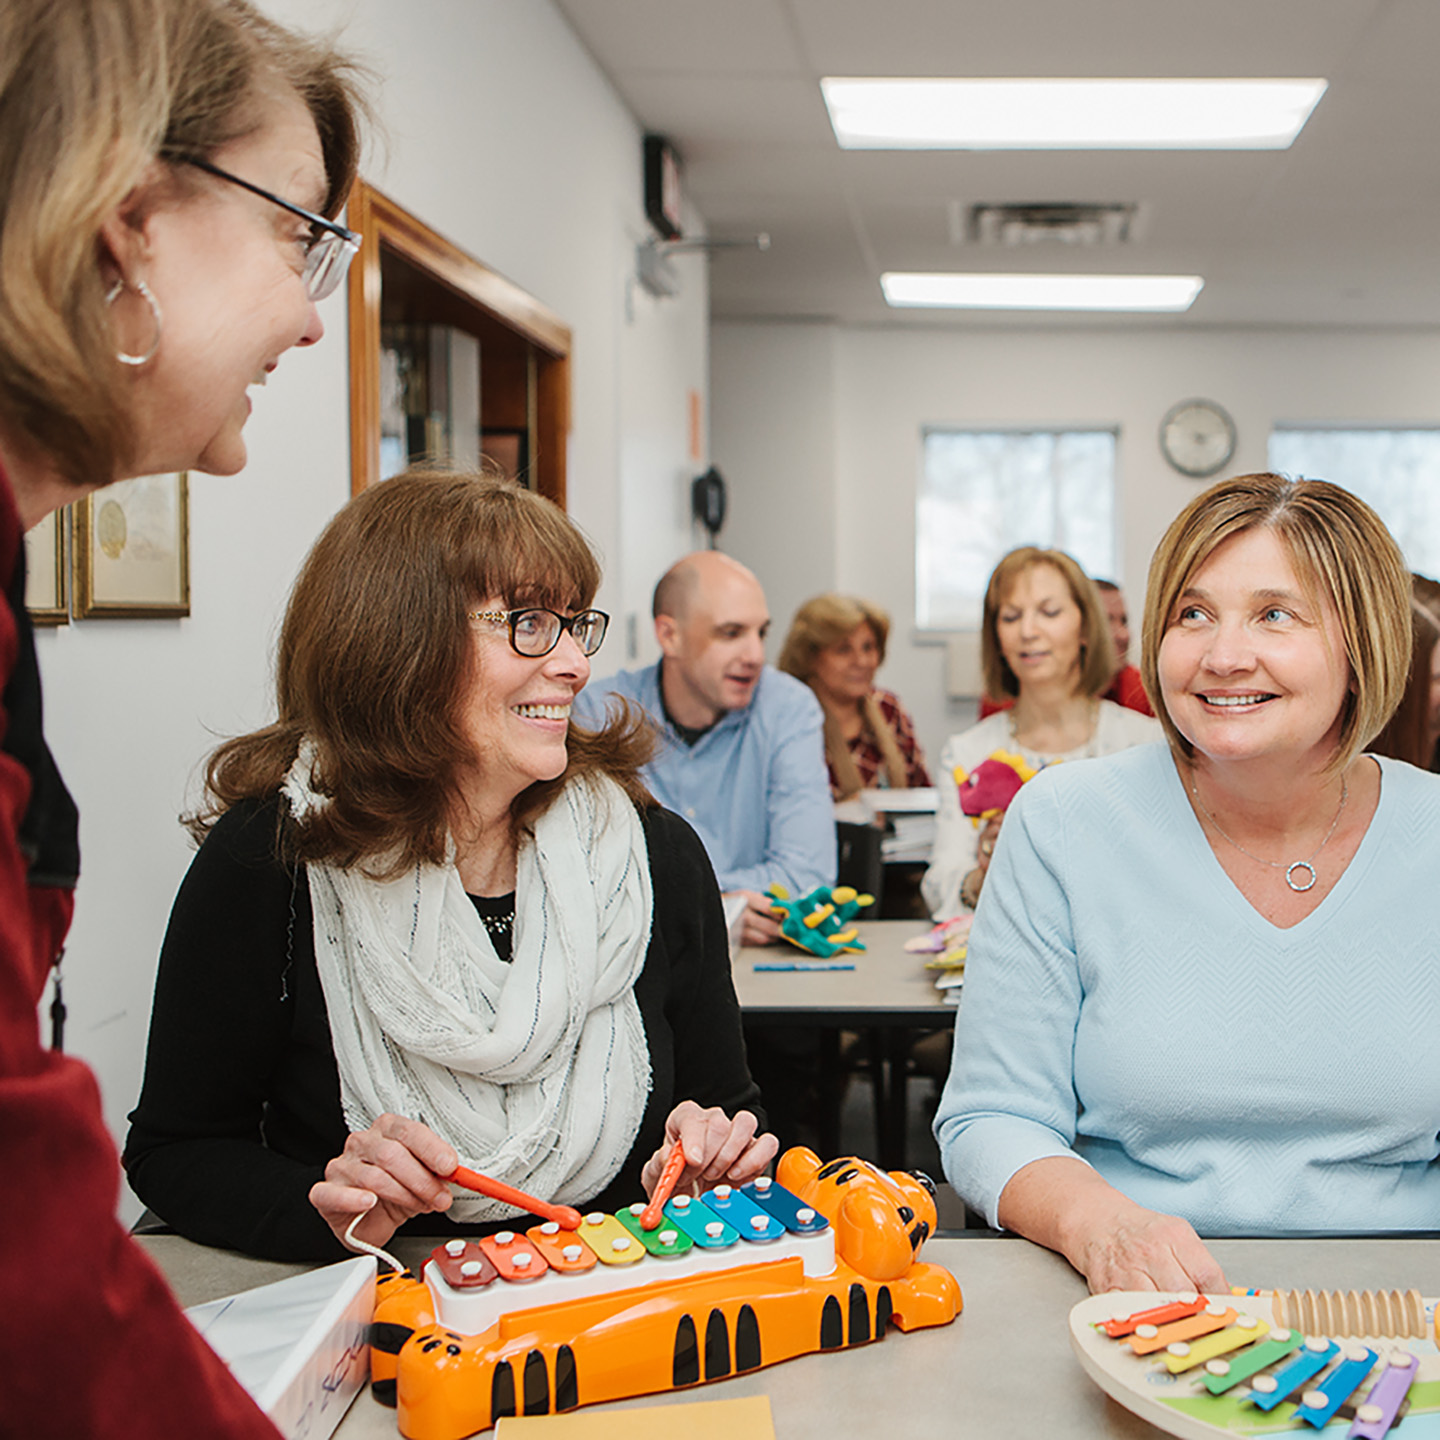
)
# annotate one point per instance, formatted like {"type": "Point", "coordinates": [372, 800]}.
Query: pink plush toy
{"type": "Point", "coordinates": [989, 788]}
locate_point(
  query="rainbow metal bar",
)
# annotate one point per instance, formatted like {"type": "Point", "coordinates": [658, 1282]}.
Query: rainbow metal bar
{"type": "Point", "coordinates": [1319, 1404]}
{"type": "Point", "coordinates": [1376, 1413]}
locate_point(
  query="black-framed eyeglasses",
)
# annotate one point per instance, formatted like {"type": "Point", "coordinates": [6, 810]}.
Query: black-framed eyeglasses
{"type": "Point", "coordinates": [536, 632]}
{"type": "Point", "coordinates": [330, 248]}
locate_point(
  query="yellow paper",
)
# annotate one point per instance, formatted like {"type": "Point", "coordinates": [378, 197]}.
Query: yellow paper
{"type": "Point", "coordinates": [747, 1418]}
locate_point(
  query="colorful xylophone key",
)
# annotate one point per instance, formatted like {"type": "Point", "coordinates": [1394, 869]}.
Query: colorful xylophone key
{"type": "Point", "coordinates": [1223, 1375]}
{"type": "Point", "coordinates": [660, 1242]}
{"type": "Point", "coordinates": [753, 1222]}
{"type": "Point", "coordinates": [514, 1256]}
{"type": "Point", "coordinates": [701, 1223]}
{"type": "Point", "coordinates": [1150, 1338]}
{"type": "Point", "coordinates": [1319, 1404]}
{"type": "Point", "coordinates": [1268, 1391]}
{"type": "Point", "coordinates": [1183, 1355]}
{"type": "Point", "coordinates": [798, 1219]}
{"type": "Point", "coordinates": [1377, 1412]}
{"type": "Point", "coordinates": [563, 1249]}
{"type": "Point", "coordinates": [1157, 1315]}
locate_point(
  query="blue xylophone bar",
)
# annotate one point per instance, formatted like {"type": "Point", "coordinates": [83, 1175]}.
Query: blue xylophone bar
{"type": "Point", "coordinates": [1319, 1404]}
{"type": "Point", "coordinates": [1269, 1390]}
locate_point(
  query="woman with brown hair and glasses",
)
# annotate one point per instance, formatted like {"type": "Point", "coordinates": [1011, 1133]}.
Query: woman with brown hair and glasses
{"type": "Point", "coordinates": [170, 171]}
{"type": "Point", "coordinates": [431, 922]}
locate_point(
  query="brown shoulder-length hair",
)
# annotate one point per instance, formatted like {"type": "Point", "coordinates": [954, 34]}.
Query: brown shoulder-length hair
{"type": "Point", "coordinates": [377, 654]}
{"type": "Point", "coordinates": [93, 95]}
{"type": "Point", "coordinates": [1341, 551]}
{"type": "Point", "coordinates": [827, 620]}
{"type": "Point", "coordinates": [1407, 734]}
{"type": "Point", "coordinates": [1097, 645]}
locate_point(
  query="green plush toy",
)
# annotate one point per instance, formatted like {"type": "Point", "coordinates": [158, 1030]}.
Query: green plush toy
{"type": "Point", "coordinates": [818, 922]}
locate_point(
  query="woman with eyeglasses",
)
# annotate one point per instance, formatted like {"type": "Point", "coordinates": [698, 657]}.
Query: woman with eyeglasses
{"type": "Point", "coordinates": [168, 170]}
{"type": "Point", "coordinates": [432, 923]}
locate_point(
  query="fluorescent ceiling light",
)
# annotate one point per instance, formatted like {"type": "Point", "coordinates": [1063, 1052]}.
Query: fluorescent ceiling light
{"type": "Point", "coordinates": [1042, 292]}
{"type": "Point", "coordinates": [879, 114]}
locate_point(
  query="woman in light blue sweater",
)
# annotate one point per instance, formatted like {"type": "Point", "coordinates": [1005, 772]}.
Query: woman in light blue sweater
{"type": "Point", "coordinates": [1203, 992]}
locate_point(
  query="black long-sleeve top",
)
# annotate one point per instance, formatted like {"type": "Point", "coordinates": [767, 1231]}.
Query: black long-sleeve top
{"type": "Point", "coordinates": [240, 1109]}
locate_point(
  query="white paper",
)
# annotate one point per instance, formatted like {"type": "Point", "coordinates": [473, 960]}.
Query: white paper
{"type": "Point", "coordinates": [299, 1346]}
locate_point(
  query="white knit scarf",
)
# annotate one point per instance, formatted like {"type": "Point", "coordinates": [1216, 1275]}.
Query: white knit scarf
{"type": "Point", "coordinates": [536, 1071]}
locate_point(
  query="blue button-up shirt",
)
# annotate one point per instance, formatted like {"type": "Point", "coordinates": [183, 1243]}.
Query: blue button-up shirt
{"type": "Point", "coordinates": [754, 785]}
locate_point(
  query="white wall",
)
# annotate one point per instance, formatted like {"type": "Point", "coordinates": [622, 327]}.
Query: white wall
{"type": "Point", "coordinates": [502, 134]}
{"type": "Point", "coordinates": [774, 389]}
{"type": "Point", "coordinates": [837, 413]}
{"type": "Point", "coordinates": [656, 465]}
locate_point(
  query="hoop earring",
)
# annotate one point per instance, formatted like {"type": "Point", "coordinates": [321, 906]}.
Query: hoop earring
{"type": "Point", "coordinates": [143, 290]}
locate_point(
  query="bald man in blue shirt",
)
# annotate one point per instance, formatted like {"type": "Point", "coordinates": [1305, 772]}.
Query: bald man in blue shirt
{"type": "Point", "coordinates": [741, 755]}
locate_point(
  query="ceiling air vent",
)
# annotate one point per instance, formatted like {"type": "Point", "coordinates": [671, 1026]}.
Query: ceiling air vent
{"type": "Point", "coordinates": [1050, 224]}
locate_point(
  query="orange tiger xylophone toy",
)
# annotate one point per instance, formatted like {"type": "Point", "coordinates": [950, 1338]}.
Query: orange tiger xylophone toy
{"type": "Point", "coordinates": [822, 1257]}
{"type": "Point", "coordinates": [1257, 1363]}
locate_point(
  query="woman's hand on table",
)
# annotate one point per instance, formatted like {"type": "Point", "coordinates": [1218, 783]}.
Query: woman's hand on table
{"type": "Point", "coordinates": [719, 1150]}
{"type": "Point", "coordinates": [1147, 1250]}
{"type": "Point", "coordinates": [1063, 1204]}
{"type": "Point", "coordinates": [389, 1173]}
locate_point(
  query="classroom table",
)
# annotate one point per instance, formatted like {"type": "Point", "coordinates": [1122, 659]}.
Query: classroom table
{"type": "Point", "coordinates": [887, 996]}
{"type": "Point", "coordinates": [1003, 1368]}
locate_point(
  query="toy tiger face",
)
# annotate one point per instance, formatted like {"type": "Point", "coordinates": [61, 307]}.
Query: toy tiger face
{"type": "Point", "coordinates": [881, 1220]}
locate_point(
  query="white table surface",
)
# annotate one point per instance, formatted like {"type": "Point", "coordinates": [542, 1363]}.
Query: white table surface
{"type": "Point", "coordinates": [888, 986]}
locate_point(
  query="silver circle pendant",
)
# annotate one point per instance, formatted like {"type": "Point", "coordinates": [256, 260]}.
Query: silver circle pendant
{"type": "Point", "coordinates": [1290, 876]}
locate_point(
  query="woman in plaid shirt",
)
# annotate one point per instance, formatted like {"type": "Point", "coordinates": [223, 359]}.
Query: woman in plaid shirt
{"type": "Point", "coordinates": [835, 645]}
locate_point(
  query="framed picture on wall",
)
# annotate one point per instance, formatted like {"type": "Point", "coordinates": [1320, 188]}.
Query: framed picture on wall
{"type": "Point", "coordinates": [132, 549]}
{"type": "Point", "coordinates": [47, 553]}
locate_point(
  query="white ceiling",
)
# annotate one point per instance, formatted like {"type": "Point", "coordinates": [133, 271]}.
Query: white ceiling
{"type": "Point", "coordinates": [1341, 229]}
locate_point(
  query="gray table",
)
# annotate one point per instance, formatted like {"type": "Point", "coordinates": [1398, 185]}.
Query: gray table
{"type": "Point", "coordinates": [1004, 1368]}
{"type": "Point", "coordinates": [887, 996]}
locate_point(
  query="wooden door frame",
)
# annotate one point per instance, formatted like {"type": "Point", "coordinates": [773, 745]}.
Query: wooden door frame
{"type": "Point", "coordinates": [384, 224]}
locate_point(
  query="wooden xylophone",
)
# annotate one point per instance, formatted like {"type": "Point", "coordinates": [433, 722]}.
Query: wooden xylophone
{"type": "Point", "coordinates": [532, 1323]}
{"type": "Point", "coordinates": [1199, 1366]}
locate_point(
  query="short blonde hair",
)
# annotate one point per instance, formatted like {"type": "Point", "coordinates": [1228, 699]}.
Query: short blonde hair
{"type": "Point", "coordinates": [92, 94]}
{"type": "Point", "coordinates": [1340, 549]}
{"type": "Point", "coordinates": [1097, 645]}
{"type": "Point", "coordinates": [826, 620]}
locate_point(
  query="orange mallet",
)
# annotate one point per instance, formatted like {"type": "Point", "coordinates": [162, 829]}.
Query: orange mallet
{"type": "Point", "coordinates": [565, 1216]}
{"type": "Point", "coordinates": [669, 1177]}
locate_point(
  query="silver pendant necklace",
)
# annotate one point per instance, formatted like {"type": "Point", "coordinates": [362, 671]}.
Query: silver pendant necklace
{"type": "Point", "coordinates": [1306, 865]}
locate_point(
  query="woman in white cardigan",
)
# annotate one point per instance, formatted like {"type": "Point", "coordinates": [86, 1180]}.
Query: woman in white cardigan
{"type": "Point", "coordinates": [1046, 644]}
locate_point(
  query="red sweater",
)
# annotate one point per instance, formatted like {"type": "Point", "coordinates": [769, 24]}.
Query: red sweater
{"type": "Point", "coordinates": [95, 1347]}
{"type": "Point", "coordinates": [1126, 689]}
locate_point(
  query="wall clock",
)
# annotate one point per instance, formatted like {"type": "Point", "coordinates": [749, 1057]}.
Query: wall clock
{"type": "Point", "coordinates": [1197, 437]}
